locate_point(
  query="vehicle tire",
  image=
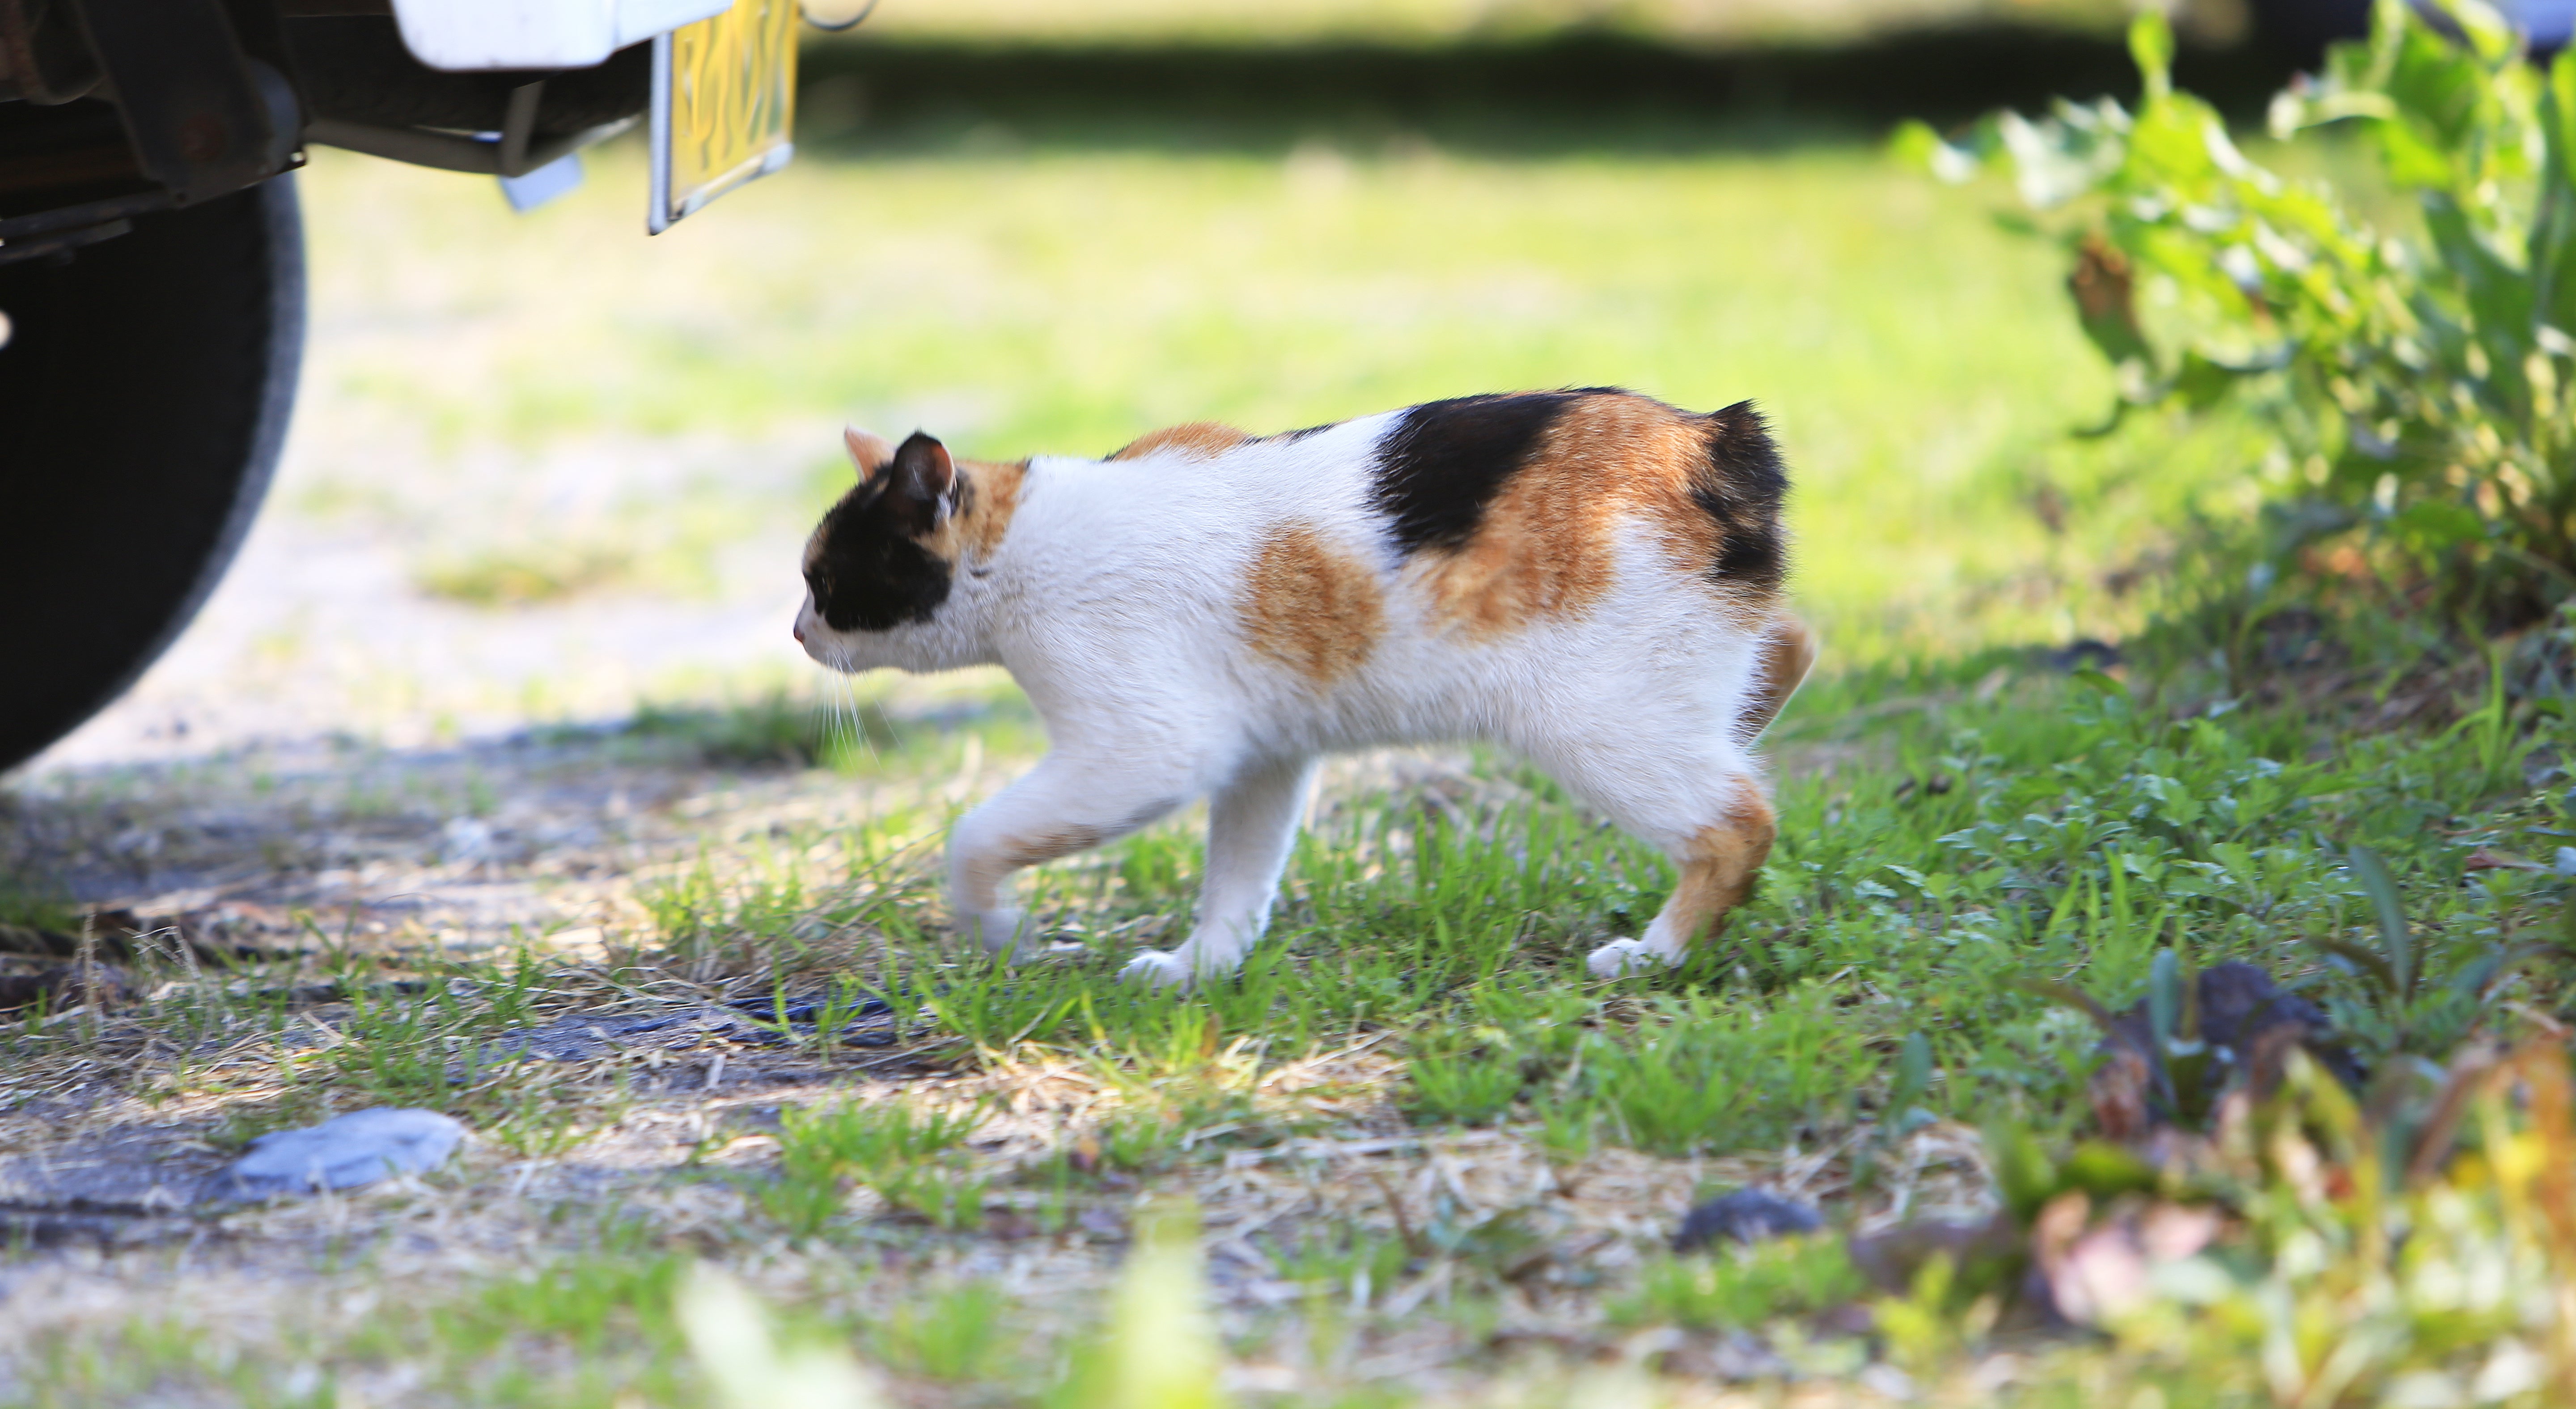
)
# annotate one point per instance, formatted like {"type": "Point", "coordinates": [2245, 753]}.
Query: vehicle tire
{"type": "Point", "coordinates": [144, 393]}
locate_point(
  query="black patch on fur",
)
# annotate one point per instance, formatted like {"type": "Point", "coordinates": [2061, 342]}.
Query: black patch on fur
{"type": "Point", "coordinates": [1446, 460]}
{"type": "Point", "coordinates": [1741, 483]}
{"type": "Point", "coordinates": [1292, 437]}
{"type": "Point", "coordinates": [869, 573]}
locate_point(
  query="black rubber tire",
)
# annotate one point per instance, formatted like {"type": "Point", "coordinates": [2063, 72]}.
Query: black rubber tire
{"type": "Point", "coordinates": [144, 394]}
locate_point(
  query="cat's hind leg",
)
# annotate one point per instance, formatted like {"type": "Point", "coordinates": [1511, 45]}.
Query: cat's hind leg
{"type": "Point", "coordinates": [1718, 861]}
{"type": "Point", "coordinates": [1704, 807]}
{"type": "Point", "coordinates": [1068, 803]}
{"type": "Point", "coordinates": [1252, 822]}
{"type": "Point", "coordinates": [1787, 653]}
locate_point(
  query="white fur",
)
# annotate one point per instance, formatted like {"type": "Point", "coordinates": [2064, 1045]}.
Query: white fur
{"type": "Point", "coordinates": [1114, 600]}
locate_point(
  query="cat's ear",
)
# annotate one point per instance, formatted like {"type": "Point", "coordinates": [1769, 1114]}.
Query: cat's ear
{"type": "Point", "coordinates": [924, 477]}
{"type": "Point", "coordinates": [869, 452]}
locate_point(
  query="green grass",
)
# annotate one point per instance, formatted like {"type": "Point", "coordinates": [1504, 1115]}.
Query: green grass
{"type": "Point", "coordinates": [1957, 818]}
{"type": "Point", "coordinates": [2056, 831]}
{"type": "Point", "coordinates": [1741, 1288]}
{"type": "Point", "coordinates": [1949, 831]}
{"type": "Point", "coordinates": [1064, 298]}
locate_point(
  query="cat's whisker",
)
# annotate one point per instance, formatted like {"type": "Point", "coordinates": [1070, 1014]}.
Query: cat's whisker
{"type": "Point", "coordinates": [858, 719]}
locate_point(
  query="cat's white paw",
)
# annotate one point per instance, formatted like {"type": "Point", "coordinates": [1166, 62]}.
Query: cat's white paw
{"type": "Point", "coordinates": [999, 931]}
{"type": "Point", "coordinates": [1622, 957]}
{"type": "Point", "coordinates": [1157, 968]}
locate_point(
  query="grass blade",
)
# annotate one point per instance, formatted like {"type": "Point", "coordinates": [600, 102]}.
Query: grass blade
{"type": "Point", "coordinates": [2164, 1000]}
{"type": "Point", "coordinates": [2394, 939]}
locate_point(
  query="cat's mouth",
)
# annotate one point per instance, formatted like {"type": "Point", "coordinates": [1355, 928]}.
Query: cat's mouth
{"type": "Point", "coordinates": [808, 629]}
{"type": "Point", "coordinates": [830, 654]}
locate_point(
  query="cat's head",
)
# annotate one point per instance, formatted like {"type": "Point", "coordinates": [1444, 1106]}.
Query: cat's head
{"type": "Point", "coordinates": [880, 566]}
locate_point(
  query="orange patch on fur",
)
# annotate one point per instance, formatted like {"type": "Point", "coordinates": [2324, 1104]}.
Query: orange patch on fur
{"type": "Point", "coordinates": [1546, 545]}
{"type": "Point", "coordinates": [1050, 844]}
{"type": "Point", "coordinates": [1311, 608]}
{"type": "Point", "coordinates": [1722, 859]}
{"type": "Point", "coordinates": [1788, 652]}
{"type": "Point", "coordinates": [992, 495]}
{"type": "Point", "coordinates": [988, 494]}
{"type": "Point", "coordinates": [1200, 439]}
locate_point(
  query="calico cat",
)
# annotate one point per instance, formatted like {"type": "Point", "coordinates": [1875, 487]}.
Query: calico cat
{"type": "Point", "coordinates": [1591, 578]}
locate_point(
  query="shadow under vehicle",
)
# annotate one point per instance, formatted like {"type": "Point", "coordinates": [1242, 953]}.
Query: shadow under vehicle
{"type": "Point", "coordinates": [152, 261]}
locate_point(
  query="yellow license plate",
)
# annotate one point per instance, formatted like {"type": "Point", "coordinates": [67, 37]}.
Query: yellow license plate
{"type": "Point", "coordinates": [724, 96]}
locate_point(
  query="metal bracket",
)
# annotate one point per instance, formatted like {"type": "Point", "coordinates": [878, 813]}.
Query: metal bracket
{"type": "Point", "coordinates": [205, 118]}
{"type": "Point", "coordinates": [51, 231]}
{"type": "Point", "coordinates": [41, 53]}
{"type": "Point", "coordinates": [512, 151]}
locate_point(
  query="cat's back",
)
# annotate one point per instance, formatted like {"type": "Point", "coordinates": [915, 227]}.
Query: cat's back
{"type": "Point", "coordinates": [1505, 510]}
{"type": "Point", "coordinates": [1512, 511]}
{"type": "Point", "coordinates": [1471, 521]}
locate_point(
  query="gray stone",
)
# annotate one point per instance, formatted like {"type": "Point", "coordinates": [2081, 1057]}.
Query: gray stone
{"type": "Point", "coordinates": [343, 1152]}
{"type": "Point", "coordinates": [1745, 1216]}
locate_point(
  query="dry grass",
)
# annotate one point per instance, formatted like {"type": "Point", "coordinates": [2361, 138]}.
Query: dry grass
{"type": "Point", "coordinates": [413, 935]}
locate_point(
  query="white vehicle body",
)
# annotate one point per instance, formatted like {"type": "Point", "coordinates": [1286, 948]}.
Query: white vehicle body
{"type": "Point", "coordinates": [470, 35]}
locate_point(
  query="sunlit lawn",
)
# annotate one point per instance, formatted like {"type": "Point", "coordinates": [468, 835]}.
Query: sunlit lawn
{"type": "Point", "coordinates": [1958, 817]}
{"type": "Point", "coordinates": [1031, 298]}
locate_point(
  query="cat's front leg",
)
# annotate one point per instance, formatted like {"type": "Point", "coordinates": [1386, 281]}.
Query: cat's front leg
{"type": "Point", "coordinates": [1252, 822]}
{"type": "Point", "coordinates": [1072, 801]}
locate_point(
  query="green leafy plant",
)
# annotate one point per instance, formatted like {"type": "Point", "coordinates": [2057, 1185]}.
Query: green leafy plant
{"type": "Point", "coordinates": [1741, 1287]}
{"type": "Point", "coordinates": [2373, 1266]}
{"type": "Point", "coordinates": [1704, 1075]}
{"type": "Point", "coordinates": [957, 1334]}
{"type": "Point", "coordinates": [902, 1154]}
{"type": "Point", "coordinates": [2411, 1000]}
{"type": "Point", "coordinates": [2418, 380]}
{"type": "Point", "coordinates": [1467, 1088]}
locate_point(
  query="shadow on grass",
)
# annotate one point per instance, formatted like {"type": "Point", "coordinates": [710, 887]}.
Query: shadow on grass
{"type": "Point", "coordinates": [1555, 94]}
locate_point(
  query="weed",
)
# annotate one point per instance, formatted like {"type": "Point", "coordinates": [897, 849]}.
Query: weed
{"type": "Point", "coordinates": [1700, 1074]}
{"type": "Point", "coordinates": [585, 1302]}
{"type": "Point", "coordinates": [1467, 1089]}
{"type": "Point", "coordinates": [1740, 1287]}
{"type": "Point", "coordinates": [507, 577]}
{"type": "Point", "coordinates": [868, 1139]}
{"type": "Point", "coordinates": [957, 1335]}
{"type": "Point", "coordinates": [774, 730]}
{"type": "Point", "coordinates": [1346, 1266]}
{"type": "Point", "coordinates": [1138, 1141]}
{"type": "Point", "coordinates": [2348, 339]}
{"type": "Point", "coordinates": [901, 1154]}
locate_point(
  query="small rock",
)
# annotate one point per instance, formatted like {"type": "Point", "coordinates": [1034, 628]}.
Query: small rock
{"type": "Point", "coordinates": [64, 987]}
{"type": "Point", "coordinates": [1745, 1216]}
{"type": "Point", "coordinates": [343, 1152]}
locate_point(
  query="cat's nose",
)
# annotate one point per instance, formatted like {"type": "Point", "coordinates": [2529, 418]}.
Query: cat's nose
{"type": "Point", "coordinates": [799, 629]}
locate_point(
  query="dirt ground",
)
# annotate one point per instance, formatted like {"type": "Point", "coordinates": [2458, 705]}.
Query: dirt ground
{"type": "Point", "coordinates": [356, 779]}
{"type": "Point", "coordinates": [544, 844]}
